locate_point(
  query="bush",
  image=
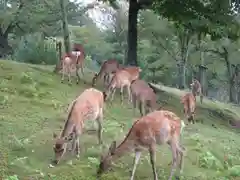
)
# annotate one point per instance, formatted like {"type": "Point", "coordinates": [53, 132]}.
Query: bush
{"type": "Point", "coordinates": [34, 49]}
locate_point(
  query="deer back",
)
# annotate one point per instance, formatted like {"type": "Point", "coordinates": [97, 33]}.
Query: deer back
{"type": "Point", "coordinates": [88, 104]}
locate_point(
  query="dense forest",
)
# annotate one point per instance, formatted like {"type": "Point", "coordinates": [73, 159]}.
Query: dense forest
{"type": "Point", "coordinates": [172, 40]}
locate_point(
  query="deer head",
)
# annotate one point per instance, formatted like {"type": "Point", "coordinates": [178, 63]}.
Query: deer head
{"type": "Point", "coordinates": [60, 146]}
{"type": "Point", "coordinates": [106, 160]}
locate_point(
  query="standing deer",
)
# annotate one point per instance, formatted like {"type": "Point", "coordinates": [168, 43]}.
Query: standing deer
{"type": "Point", "coordinates": [89, 105]}
{"type": "Point", "coordinates": [189, 103]}
{"type": "Point", "coordinates": [197, 89]}
{"type": "Point", "coordinates": [73, 62]}
{"type": "Point", "coordinates": [108, 67]}
{"type": "Point", "coordinates": [144, 95]}
{"type": "Point", "coordinates": [122, 78]}
{"type": "Point", "coordinates": [156, 128]}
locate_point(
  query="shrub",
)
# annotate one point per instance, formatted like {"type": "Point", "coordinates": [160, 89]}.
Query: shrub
{"type": "Point", "coordinates": [34, 49]}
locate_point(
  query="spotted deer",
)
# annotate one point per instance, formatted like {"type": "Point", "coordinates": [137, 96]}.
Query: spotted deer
{"type": "Point", "coordinates": [189, 104]}
{"type": "Point", "coordinates": [144, 95]}
{"type": "Point", "coordinates": [87, 106]}
{"type": "Point", "coordinates": [197, 89]}
{"type": "Point", "coordinates": [122, 78]}
{"type": "Point", "coordinates": [107, 68]}
{"type": "Point", "coordinates": [156, 128]}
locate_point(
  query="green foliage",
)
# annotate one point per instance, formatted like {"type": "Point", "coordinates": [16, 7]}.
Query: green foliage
{"type": "Point", "coordinates": [14, 177]}
{"type": "Point", "coordinates": [33, 49]}
{"type": "Point", "coordinates": [209, 161]}
{"type": "Point", "coordinates": [93, 40]}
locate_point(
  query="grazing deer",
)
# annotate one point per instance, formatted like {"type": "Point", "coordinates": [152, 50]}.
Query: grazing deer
{"type": "Point", "coordinates": [145, 95]}
{"type": "Point", "coordinates": [156, 128]}
{"type": "Point", "coordinates": [122, 78]}
{"type": "Point", "coordinates": [189, 103]}
{"type": "Point", "coordinates": [89, 105]}
{"type": "Point", "coordinates": [107, 68]}
{"type": "Point", "coordinates": [197, 89]}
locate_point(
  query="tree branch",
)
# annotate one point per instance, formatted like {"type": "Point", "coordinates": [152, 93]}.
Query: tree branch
{"type": "Point", "coordinates": [13, 23]}
{"type": "Point", "coordinates": [160, 43]}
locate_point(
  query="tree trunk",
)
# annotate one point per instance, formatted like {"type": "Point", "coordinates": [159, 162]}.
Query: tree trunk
{"type": "Point", "coordinates": [181, 75]}
{"type": "Point", "coordinates": [132, 33]}
{"type": "Point", "coordinates": [5, 48]}
{"type": "Point", "coordinates": [230, 76]}
{"type": "Point", "coordinates": [202, 68]}
{"type": "Point", "coordinates": [65, 26]}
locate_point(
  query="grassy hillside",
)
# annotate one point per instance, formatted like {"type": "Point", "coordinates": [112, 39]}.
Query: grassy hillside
{"type": "Point", "coordinates": [34, 103]}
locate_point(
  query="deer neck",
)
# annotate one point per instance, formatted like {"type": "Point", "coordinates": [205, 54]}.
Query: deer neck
{"type": "Point", "coordinates": [68, 128]}
{"type": "Point", "coordinates": [70, 125]}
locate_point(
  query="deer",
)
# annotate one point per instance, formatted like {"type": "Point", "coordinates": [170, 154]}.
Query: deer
{"type": "Point", "coordinates": [156, 128]}
{"type": "Point", "coordinates": [88, 105]}
{"type": "Point", "coordinates": [72, 61]}
{"type": "Point", "coordinates": [122, 78]}
{"type": "Point", "coordinates": [108, 67]}
{"type": "Point", "coordinates": [145, 95]}
{"type": "Point", "coordinates": [189, 103]}
{"type": "Point", "coordinates": [196, 88]}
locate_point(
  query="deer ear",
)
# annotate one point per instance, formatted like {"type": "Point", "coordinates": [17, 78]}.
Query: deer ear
{"type": "Point", "coordinates": [104, 96]}
{"type": "Point", "coordinates": [112, 148]}
{"type": "Point", "coordinates": [54, 135]}
{"type": "Point", "coordinates": [69, 137]}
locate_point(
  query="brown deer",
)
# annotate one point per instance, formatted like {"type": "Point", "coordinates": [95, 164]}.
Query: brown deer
{"type": "Point", "coordinates": [189, 103]}
{"type": "Point", "coordinates": [72, 62]}
{"type": "Point", "coordinates": [156, 128]}
{"type": "Point", "coordinates": [107, 68]}
{"type": "Point", "coordinates": [122, 78]}
{"type": "Point", "coordinates": [144, 95]}
{"type": "Point", "coordinates": [89, 105]}
{"type": "Point", "coordinates": [197, 89]}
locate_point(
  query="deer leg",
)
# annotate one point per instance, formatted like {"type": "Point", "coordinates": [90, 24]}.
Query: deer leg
{"type": "Point", "coordinates": [99, 121]}
{"type": "Point", "coordinates": [81, 66]}
{"type": "Point", "coordinates": [152, 152]}
{"type": "Point", "coordinates": [69, 77]}
{"type": "Point", "coordinates": [129, 94]}
{"type": "Point", "coordinates": [77, 148]}
{"type": "Point", "coordinates": [174, 158]}
{"type": "Point", "coordinates": [77, 74]}
{"type": "Point", "coordinates": [113, 93]}
{"type": "Point", "coordinates": [121, 93]}
{"type": "Point", "coordinates": [105, 80]}
{"type": "Point", "coordinates": [63, 74]}
{"type": "Point", "coordinates": [140, 107]}
{"type": "Point", "coordinates": [136, 161]}
{"type": "Point", "coordinates": [134, 100]}
{"type": "Point", "coordinates": [180, 157]}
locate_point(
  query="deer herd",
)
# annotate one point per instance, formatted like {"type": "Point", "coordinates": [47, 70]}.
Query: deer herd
{"type": "Point", "coordinates": [155, 126]}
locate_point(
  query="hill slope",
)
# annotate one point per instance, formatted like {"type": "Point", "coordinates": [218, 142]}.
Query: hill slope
{"type": "Point", "coordinates": [33, 104]}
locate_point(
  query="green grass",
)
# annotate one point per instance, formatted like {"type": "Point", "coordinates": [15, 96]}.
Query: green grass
{"type": "Point", "coordinates": [33, 105]}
